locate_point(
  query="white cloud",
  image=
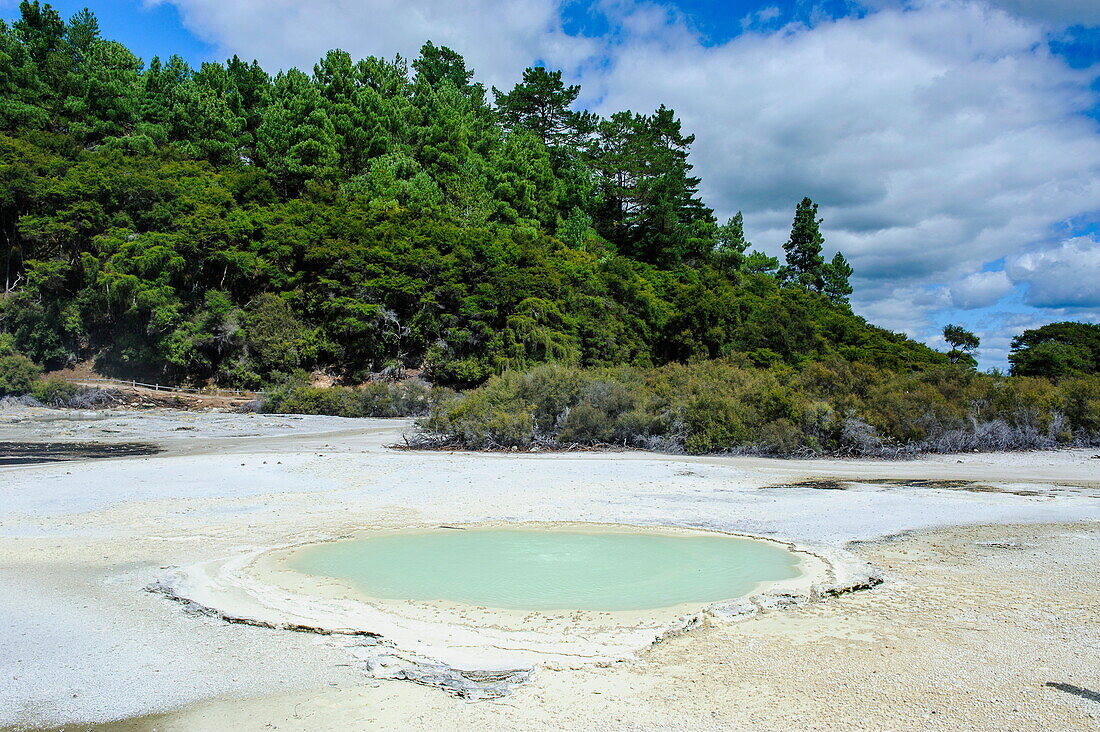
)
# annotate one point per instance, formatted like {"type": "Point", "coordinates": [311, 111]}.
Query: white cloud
{"type": "Point", "coordinates": [980, 290]}
{"type": "Point", "coordinates": [905, 309]}
{"type": "Point", "coordinates": [498, 39]}
{"type": "Point", "coordinates": [937, 139]}
{"type": "Point", "coordinates": [1065, 277]}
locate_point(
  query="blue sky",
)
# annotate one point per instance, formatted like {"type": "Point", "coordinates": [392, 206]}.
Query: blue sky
{"type": "Point", "coordinates": [954, 145]}
{"type": "Point", "coordinates": [147, 29]}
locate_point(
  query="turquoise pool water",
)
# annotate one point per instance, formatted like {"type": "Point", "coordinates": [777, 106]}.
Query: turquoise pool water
{"type": "Point", "coordinates": [550, 570]}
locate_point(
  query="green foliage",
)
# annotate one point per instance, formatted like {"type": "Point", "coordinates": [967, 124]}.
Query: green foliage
{"type": "Point", "coordinates": [18, 374]}
{"type": "Point", "coordinates": [757, 262]}
{"type": "Point", "coordinates": [275, 343]}
{"type": "Point", "coordinates": [805, 266]}
{"type": "Point", "coordinates": [1057, 350]}
{"type": "Point", "coordinates": [222, 224]}
{"type": "Point", "coordinates": [650, 209]}
{"type": "Point", "coordinates": [296, 140]}
{"type": "Point", "coordinates": [835, 276]}
{"type": "Point", "coordinates": [494, 416]}
{"type": "Point", "coordinates": [729, 254]}
{"type": "Point", "coordinates": [376, 399]}
{"type": "Point", "coordinates": [54, 392]}
{"type": "Point", "coordinates": [541, 103]}
{"type": "Point", "coordinates": [962, 342]}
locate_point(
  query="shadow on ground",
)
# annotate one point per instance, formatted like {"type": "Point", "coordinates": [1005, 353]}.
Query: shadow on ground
{"type": "Point", "coordinates": [1089, 694]}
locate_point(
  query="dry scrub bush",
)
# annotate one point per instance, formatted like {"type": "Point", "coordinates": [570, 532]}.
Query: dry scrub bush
{"type": "Point", "coordinates": [379, 399]}
{"type": "Point", "coordinates": [824, 408]}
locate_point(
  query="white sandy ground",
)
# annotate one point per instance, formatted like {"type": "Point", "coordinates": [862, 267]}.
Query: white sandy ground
{"type": "Point", "coordinates": [993, 597]}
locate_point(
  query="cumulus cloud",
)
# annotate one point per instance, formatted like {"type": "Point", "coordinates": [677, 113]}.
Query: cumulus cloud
{"type": "Point", "coordinates": [980, 290]}
{"type": "Point", "coordinates": [497, 38]}
{"type": "Point", "coordinates": [937, 138]}
{"type": "Point", "coordinates": [905, 309]}
{"type": "Point", "coordinates": [1064, 277]}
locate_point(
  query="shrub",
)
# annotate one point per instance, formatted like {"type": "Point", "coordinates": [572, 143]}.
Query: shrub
{"type": "Point", "coordinates": [55, 392]}
{"type": "Point", "coordinates": [779, 437]}
{"type": "Point", "coordinates": [1081, 404]}
{"type": "Point", "coordinates": [713, 424]}
{"type": "Point", "coordinates": [379, 399]}
{"type": "Point", "coordinates": [18, 374]}
{"type": "Point", "coordinates": [586, 423]}
{"type": "Point", "coordinates": [832, 407]}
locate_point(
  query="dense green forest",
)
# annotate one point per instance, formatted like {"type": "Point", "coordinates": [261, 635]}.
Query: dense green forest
{"type": "Point", "coordinates": [223, 224]}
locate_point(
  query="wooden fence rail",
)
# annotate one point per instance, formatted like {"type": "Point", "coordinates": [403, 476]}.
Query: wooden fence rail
{"type": "Point", "coordinates": [160, 387]}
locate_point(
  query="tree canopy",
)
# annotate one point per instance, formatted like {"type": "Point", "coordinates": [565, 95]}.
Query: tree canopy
{"type": "Point", "coordinates": [1057, 349]}
{"type": "Point", "coordinates": [224, 223]}
{"type": "Point", "coordinates": [963, 343]}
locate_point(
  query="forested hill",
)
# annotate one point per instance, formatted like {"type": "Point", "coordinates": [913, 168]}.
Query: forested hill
{"type": "Point", "coordinates": [223, 223]}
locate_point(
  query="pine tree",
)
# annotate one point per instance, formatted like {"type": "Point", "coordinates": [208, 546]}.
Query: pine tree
{"type": "Point", "coordinates": [457, 135]}
{"type": "Point", "coordinates": [385, 103]}
{"type": "Point", "coordinates": [160, 97]}
{"type": "Point", "coordinates": [336, 76]}
{"type": "Point", "coordinates": [438, 64]}
{"type": "Point", "coordinates": [40, 32]}
{"type": "Point", "coordinates": [757, 262]}
{"type": "Point", "coordinates": [296, 141]}
{"type": "Point", "coordinates": [541, 104]}
{"type": "Point", "coordinates": [805, 266]}
{"type": "Point", "coordinates": [102, 99]}
{"type": "Point", "coordinates": [525, 189]}
{"type": "Point", "coordinates": [250, 95]}
{"type": "Point", "coordinates": [650, 207]}
{"type": "Point", "coordinates": [211, 110]}
{"type": "Point", "coordinates": [837, 274]}
{"type": "Point", "coordinates": [22, 92]}
{"type": "Point", "coordinates": [729, 254]}
{"type": "Point", "coordinates": [199, 112]}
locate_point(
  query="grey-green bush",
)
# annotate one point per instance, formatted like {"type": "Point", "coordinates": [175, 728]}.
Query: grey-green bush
{"type": "Point", "coordinates": [381, 399]}
{"type": "Point", "coordinates": [823, 408]}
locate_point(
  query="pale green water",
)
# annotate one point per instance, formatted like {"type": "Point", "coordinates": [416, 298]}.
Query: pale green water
{"type": "Point", "coordinates": [550, 570]}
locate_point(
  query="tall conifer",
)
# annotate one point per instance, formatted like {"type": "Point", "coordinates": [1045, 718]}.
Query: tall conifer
{"type": "Point", "coordinates": [805, 266]}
